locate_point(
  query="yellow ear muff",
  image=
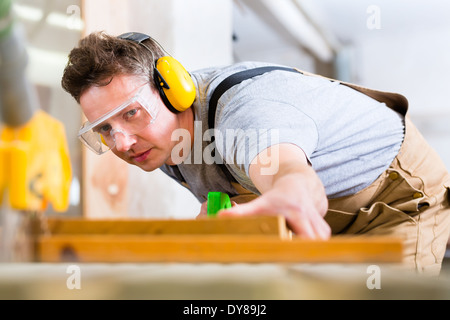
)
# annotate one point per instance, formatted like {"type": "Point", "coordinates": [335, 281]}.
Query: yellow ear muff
{"type": "Point", "coordinates": [175, 84]}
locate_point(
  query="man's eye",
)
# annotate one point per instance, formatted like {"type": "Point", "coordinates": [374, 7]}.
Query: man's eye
{"type": "Point", "coordinates": [103, 129]}
{"type": "Point", "coordinates": [131, 113]}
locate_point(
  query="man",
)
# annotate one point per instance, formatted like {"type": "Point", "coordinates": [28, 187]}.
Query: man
{"type": "Point", "coordinates": [332, 158]}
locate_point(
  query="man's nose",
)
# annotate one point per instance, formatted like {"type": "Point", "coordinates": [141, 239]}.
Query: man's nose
{"type": "Point", "coordinates": [123, 141]}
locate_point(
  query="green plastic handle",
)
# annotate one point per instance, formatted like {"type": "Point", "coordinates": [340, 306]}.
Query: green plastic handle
{"type": "Point", "coordinates": [217, 201]}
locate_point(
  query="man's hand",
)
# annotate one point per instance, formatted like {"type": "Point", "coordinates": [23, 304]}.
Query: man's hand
{"type": "Point", "coordinates": [293, 190]}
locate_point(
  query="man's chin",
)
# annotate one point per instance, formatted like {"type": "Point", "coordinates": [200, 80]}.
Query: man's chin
{"type": "Point", "coordinates": [148, 167]}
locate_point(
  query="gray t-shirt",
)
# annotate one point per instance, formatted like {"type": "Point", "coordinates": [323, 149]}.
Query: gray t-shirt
{"type": "Point", "coordinates": [348, 137]}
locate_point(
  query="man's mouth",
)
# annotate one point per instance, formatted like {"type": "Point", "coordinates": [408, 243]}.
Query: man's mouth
{"type": "Point", "coordinates": [142, 157]}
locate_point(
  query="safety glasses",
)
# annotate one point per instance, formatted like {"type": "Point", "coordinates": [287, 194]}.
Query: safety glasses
{"type": "Point", "coordinates": [128, 119]}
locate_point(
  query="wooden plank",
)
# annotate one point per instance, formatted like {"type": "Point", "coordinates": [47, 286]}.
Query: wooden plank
{"type": "Point", "coordinates": [214, 248]}
{"type": "Point", "coordinates": [264, 225]}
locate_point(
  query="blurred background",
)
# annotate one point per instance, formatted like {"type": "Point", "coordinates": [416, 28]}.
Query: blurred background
{"type": "Point", "coordinates": [401, 46]}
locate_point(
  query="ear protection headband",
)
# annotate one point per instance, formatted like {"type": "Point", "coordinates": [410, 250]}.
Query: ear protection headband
{"type": "Point", "coordinates": [174, 83]}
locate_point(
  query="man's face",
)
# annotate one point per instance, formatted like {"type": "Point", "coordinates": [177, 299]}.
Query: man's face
{"type": "Point", "coordinates": [150, 147]}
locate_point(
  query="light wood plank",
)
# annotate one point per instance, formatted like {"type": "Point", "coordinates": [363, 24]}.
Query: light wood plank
{"type": "Point", "coordinates": [264, 225]}
{"type": "Point", "coordinates": [215, 248]}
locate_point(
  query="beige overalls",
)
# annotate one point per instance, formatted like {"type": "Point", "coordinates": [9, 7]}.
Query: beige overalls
{"type": "Point", "coordinates": [409, 200]}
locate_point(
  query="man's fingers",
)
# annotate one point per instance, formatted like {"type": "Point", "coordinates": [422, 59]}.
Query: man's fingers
{"type": "Point", "coordinates": [203, 210]}
{"type": "Point", "coordinates": [307, 223]}
{"type": "Point", "coordinates": [323, 229]}
{"type": "Point", "coordinates": [302, 228]}
{"type": "Point", "coordinates": [310, 226]}
{"type": "Point", "coordinates": [246, 209]}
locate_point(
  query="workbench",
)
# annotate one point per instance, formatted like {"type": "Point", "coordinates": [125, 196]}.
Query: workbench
{"type": "Point", "coordinates": [216, 281]}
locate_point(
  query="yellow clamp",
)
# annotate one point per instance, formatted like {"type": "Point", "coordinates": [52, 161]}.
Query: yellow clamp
{"type": "Point", "coordinates": [35, 167]}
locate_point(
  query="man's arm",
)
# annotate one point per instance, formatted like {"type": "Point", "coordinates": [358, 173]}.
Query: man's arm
{"type": "Point", "coordinates": [289, 187]}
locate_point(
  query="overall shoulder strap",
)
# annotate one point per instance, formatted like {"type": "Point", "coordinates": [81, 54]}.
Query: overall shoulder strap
{"type": "Point", "coordinates": [226, 84]}
{"type": "Point", "coordinates": [233, 80]}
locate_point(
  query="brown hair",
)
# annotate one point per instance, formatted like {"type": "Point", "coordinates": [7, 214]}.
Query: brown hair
{"type": "Point", "coordinates": [99, 57]}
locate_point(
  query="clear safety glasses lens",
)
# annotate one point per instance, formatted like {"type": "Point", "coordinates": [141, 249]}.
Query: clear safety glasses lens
{"type": "Point", "coordinates": [128, 119]}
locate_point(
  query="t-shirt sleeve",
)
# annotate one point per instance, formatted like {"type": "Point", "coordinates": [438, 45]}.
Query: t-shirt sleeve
{"type": "Point", "coordinates": [250, 127]}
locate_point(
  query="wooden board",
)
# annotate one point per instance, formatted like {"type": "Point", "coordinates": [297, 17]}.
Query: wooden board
{"type": "Point", "coordinates": [216, 248]}
{"type": "Point", "coordinates": [262, 225]}
{"type": "Point", "coordinates": [225, 240]}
